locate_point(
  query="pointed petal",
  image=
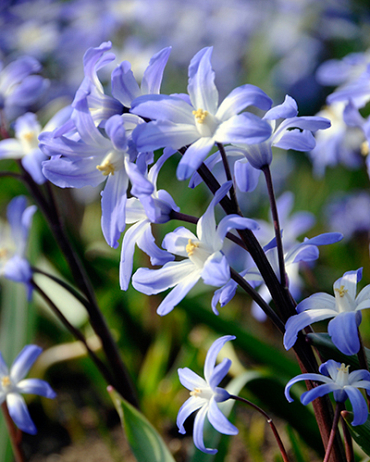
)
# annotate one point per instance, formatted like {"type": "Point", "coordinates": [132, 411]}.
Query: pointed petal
{"type": "Point", "coordinates": [219, 373]}
{"type": "Point", "coordinates": [299, 378]}
{"type": "Point", "coordinates": [245, 128]}
{"type": "Point", "coordinates": [319, 391]}
{"type": "Point", "coordinates": [191, 405]}
{"type": "Point", "coordinates": [343, 332]}
{"type": "Point", "coordinates": [124, 85]}
{"type": "Point", "coordinates": [163, 107]}
{"type": "Point", "coordinates": [240, 98]}
{"type": "Point", "coordinates": [113, 205]}
{"type": "Point", "coordinates": [299, 321]}
{"type": "Point", "coordinates": [164, 133]}
{"type": "Point", "coordinates": [198, 431]}
{"type": "Point", "coordinates": [152, 282]}
{"type": "Point", "coordinates": [36, 387]}
{"type": "Point", "coordinates": [359, 406]}
{"type": "Point", "coordinates": [285, 110]}
{"type": "Point", "coordinates": [219, 421]}
{"type": "Point", "coordinates": [216, 270]}
{"type": "Point", "coordinates": [212, 354]}
{"type": "Point", "coordinates": [201, 88]}
{"type": "Point", "coordinates": [152, 79]}
{"type": "Point", "coordinates": [146, 242]}
{"type": "Point", "coordinates": [177, 294]}
{"type": "Point", "coordinates": [19, 413]}
{"type": "Point", "coordinates": [193, 157]}
{"type": "Point", "coordinates": [190, 380]}
{"type": "Point", "coordinates": [23, 362]}
{"type": "Point", "coordinates": [246, 176]}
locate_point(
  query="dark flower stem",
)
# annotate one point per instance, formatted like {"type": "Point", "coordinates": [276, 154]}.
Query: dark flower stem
{"type": "Point", "coordinates": [269, 421]}
{"type": "Point", "coordinates": [15, 435]}
{"type": "Point", "coordinates": [361, 355]}
{"type": "Point", "coordinates": [77, 334]}
{"type": "Point", "coordinates": [275, 217]}
{"type": "Point", "coordinates": [123, 382]}
{"type": "Point", "coordinates": [228, 175]}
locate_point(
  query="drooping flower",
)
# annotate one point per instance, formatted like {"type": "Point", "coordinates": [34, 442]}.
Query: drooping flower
{"type": "Point", "coordinates": [204, 396]}
{"type": "Point", "coordinates": [344, 307]}
{"type": "Point", "coordinates": [13, 383]}
{"type": "Point", "coordinates": [13, 242]}
{"type": "Point", "coordinates": [203, 257]}
{"type": "Point", "coordinates": [197, 120]}
{"type": "Point", "coordinates": [343, 384]}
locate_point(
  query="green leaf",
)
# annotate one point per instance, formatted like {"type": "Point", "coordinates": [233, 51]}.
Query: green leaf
{"type": "Point", "coordinates": [328, 350]}
{"type": "Point", "coordinates": [144, 440]}
{"type": "Point", "coordinates": [360, 433]}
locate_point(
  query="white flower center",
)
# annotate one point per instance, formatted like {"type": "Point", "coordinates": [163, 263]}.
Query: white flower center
{"type": "Point", "coordinates": [343, 301]}
{"type": "Point", "coordinates": [205, 122]}
{"type": "Point", "coordinates": [197, 253]}
{"type": "Point", "coordinates": [29, 140]}
{"type": "Point", "coordinates": [111, 163]}
{"type": "Point", "coordinates": [6, 383]}
{"type": "Point", "coordinates": [342, 377]}
{"type": "Point", "coordinates": [205, 393]}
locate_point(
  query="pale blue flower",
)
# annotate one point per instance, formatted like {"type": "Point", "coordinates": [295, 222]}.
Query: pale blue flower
{"type": "Point", "coordinates": [205, 394]}
{"type": "Point", "coordinates": [13, 242]}
{"type": "Point", "coordinates": [344, 307]}
{"type": "Point", "coordinates": [343, 384]}
{"type": "Point", "coordinates": [197, 120]}
{"type": "Point", "coordinates": [202, 257]}
{"type": "Point", "coordinates": [13, 383]}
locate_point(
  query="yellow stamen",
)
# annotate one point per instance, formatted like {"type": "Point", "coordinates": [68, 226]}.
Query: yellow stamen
{"type": "Point", "coordinates": [3, 253]}
{"type": "Point", "coordinates": [106, 168]}
{"type": "Point", "coordinates": [364, 148]}
{"type": "Point", "coordinates": [343, 368]}
{"type": "Point", "coordinates": [191, 247]}
{"type": "Point", "coordinates": [200, 115]}
{"type": "Point", "coordinates": [341, 291]}
{"type": "Point", "coordinates": [28, 136]}
{"type": "Point", "coordinates": [5, 381]}
{"type": "Point", "coordinates": [195, 392]}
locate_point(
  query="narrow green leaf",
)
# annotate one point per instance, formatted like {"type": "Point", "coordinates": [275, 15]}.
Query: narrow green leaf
{"type": "Point", "coordinates": [360, 433]}
{"type": "Point", "coordinates": [144, 440]}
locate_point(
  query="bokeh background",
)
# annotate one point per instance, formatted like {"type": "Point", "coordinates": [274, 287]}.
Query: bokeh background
{"type": "Point", "coordinates": [277, 45]}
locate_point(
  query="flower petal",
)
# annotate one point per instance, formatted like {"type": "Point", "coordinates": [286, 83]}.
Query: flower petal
{"type": "Point", "coordinates": [190, 380]}
{"type": "Point", "coordinates": [343, 332]}
{"type": "Point", "coordinates": [191, 405]}
{"type": "Point", "coordinates": [219, 421]}
{"type": "Point", "coordinates": [198, 431]}
{"type": "Point", "coordinates": [359, 406]}
{"type": "Point", "coordinates": [212, 354]}
{"type": "Point", "coordinates": [319, 391]}
{"type": "Point", "coordinates": [36, 387]}
{"type": "Point", "coordinates": [24, 361]}
{"type": "Point", "coordinates": [178, 293]}
{"type": "Point", "coordinates": [193, 157]}
{"type": "Point", "coordinates": [19, 413]}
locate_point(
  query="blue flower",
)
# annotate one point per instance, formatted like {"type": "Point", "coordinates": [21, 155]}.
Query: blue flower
{"type": "Point", "coordinates": [90, 158]}
{"type": "Point", "coordinates": [344, 307]}
{"type": "Point", "coordinates": [293, 133]}
{"type": "Point", "coordinates": [12, 384]}
{"type": "Point", "coordinates": [343, 384]}
{"type": "Point", "coordinates": [204, 396]}
{"type": "Point", "coordinates": [202, 254]}
{"type": "Point", "coordinates": [13, 242]}
{"type": "Point", "coordinates": [141, 212]}
{"type": "Point", "coordinates": [199, 121]}
{"type": "Point", "coordinates": [18, 87]}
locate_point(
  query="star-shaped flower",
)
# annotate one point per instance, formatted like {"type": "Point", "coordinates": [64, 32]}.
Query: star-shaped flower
{"type": "Point", "coordinates": [204, 396]}
{"type": "Point", "coordinates": [12, 384]}
{"type": "Point", "coordinates": [343, 384]}
{"type": "Point", "coordinates": [344, 307]}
